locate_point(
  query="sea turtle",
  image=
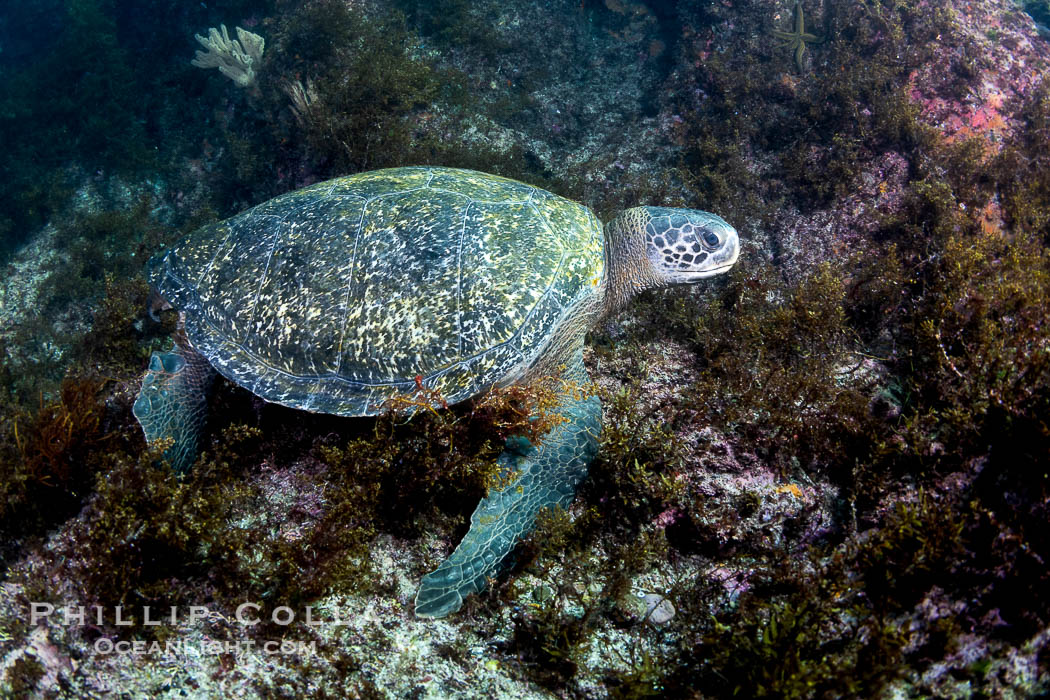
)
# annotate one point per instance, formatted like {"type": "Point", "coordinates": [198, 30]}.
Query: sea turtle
{"type": "Point", "coordinates": [339, 296]}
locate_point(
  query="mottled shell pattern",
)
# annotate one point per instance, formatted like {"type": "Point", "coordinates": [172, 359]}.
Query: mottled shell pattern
{"type": "Point", "coordinates": [336, 297]}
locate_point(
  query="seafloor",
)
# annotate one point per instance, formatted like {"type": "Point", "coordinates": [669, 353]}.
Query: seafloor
{"type": "Point", "coordinates": [824, 475]}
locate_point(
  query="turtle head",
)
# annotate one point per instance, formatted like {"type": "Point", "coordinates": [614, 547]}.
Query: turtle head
{"type": "Point", "coordinates": [648, 247]}
{"type": "Point", "coordinates": [687, 245]}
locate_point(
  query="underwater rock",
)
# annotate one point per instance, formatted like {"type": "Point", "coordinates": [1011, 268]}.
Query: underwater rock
{"type": "Point", "coordinates": [653, 608]}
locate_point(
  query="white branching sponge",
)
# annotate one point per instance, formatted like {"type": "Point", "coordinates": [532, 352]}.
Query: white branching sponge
{"type": "Point", "coordinates": [234, 58]}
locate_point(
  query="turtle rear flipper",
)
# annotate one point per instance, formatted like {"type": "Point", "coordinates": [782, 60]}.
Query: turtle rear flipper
{"type": "Point", "coordinates": [173, 402]}
{"type": "Point", "coordinates": [546, 477]}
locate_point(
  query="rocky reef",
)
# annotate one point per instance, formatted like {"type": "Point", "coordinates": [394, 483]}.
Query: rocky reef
{"type": "Point", "coordinates": [824, 476]}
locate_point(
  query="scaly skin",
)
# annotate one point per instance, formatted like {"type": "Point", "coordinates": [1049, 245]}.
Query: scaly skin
{"type": "Point", "coordinates": [547, 476]}
{"type": "Point", "coordinates": [173, 402]}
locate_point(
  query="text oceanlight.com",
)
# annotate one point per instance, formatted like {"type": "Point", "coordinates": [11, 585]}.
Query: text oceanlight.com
{"type": "Point", "coordinates": [211, 647]}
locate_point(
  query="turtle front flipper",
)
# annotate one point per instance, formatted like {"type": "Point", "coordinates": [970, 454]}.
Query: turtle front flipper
{"type": "Point", "coordinates": [173, 402]}
{"type": "Point", "coordinates": [546, 476]}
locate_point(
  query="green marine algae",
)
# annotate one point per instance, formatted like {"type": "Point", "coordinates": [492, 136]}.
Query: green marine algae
{"type": "Point", "coordinates": [1007, 517]}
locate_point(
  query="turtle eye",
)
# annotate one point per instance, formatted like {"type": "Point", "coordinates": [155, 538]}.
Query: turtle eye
{"type": "Point", "coordinates": [710, 239]}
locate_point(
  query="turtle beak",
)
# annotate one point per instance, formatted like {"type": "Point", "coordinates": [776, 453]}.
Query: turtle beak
{"type": "Point", "coordinates": [723, 259]}
{"type": "Point", "coordinates": [726, 257]}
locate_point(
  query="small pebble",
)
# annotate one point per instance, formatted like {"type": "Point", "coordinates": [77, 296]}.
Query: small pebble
{"type": "Point", "coordinates": [542, 593]}
{"type": "Point", "coordinates": [658, 610]}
